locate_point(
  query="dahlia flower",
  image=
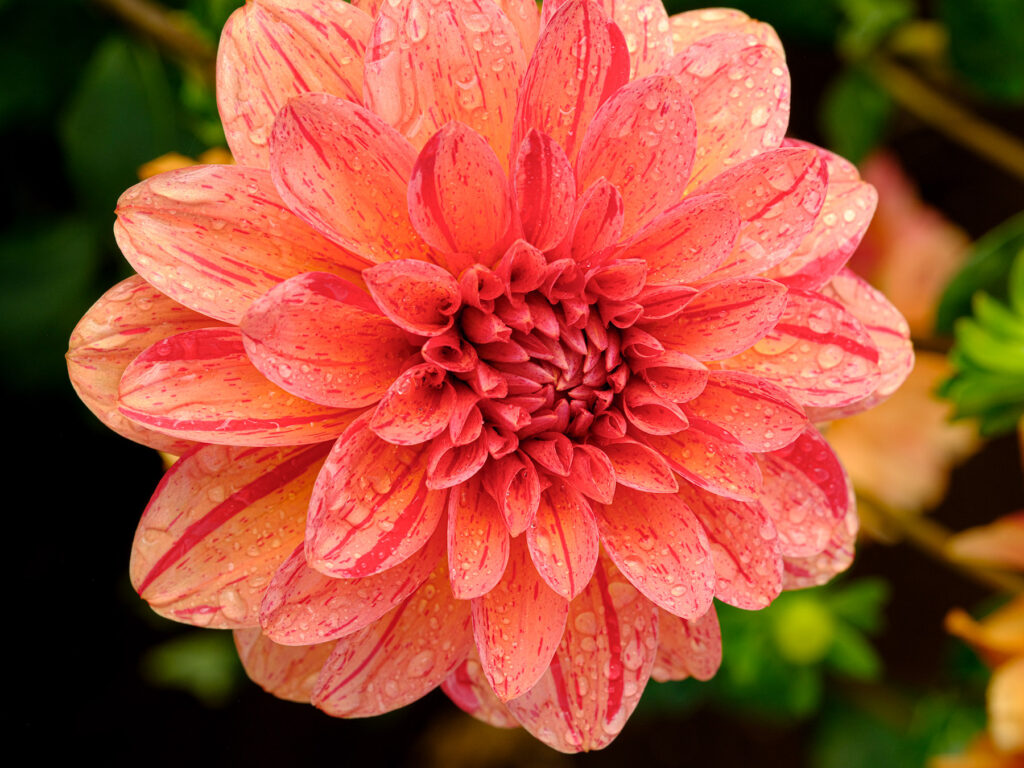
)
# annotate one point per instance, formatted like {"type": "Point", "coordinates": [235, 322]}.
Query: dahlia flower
{"type": "Point", "coordinates": [496, 358]}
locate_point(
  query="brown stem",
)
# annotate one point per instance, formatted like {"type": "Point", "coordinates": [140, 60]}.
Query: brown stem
{"type": "Point", "coordinates": [945, 115]}
{"type": "Point", "coordinates": [166, 29]}
{"type": "Point", "coordinates": [931, 537]}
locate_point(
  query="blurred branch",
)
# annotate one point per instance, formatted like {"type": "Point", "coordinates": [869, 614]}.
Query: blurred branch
{"type": "Point", "coordinates": [945, 115]}
{"type": "Point", "coordinates": [167, 29]}
{"type": "Point", "coordinates": [931, 537]}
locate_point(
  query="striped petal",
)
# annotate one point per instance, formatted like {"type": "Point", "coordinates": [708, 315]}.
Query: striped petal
{"type": "Point", "coordinates": [399, 658]}
{"type": "Point", "coordinates": [724, 319]}
{"type": "Point", "coordinates": [478, 541]}
{"type": "Point", "coordinates": [418, 297]}
{"type": "Point", "coordinates": [286, 671]}
{"type": "Point", "coordinates": [417, 407]}
{"type": "Point", "coordinates": [806, 493]}
{"type": "Point", "coordinates": [513, 481]}
{"type": "Point", "coordinates": [458, 194]}
{"type": "Point", "coordinates": [762, 416]}
{"type": "Point", "coordinates": [580, 60]}
{"type": "Point", "coordinates": [126, 320]}
{"type": "Point", "coordinates": [712, 459]}
{"type": "Point", "coordinates": [691, 26]}
{"type": "Point", "coordinates": [644, 24]}
{"type": "Point", "coordinates": [778, 195]}
{"type": "Point", "coordinates": [221, 505]}
{"type": "Point", "coordinates": [818, 352]}
{"type": "Point", "coordinates": [642, 140]}
{"type": "Point", "coordinates": [639, 466]}
{"type": "Point", "coordinates": [545, 188]}
{"type": "Point", "coordinates": [419, 51]}
{"type": "Point", "coordinates": [371, 508]}
{"type": "Point", "coordinates": [217, 237]}
{"type": "Point", "coordinates": [273, 50]}
{"type": "Point", "coordinates": [469, 690]}
{"type": "Point", "coordinates": [844, 217]}
{"type": "Point", "coordinates": [744, 548]}
{"type": "Point", "coordinates": [688, 241]}
{"type": "Point", "coordinates": [304, 607]}
{"type": "Point", "coordinates": [517, 626]}
{"type": "Point", "coordinates": [563, 539]}
{"type": "Point", "coordinates": [815, 570]}
{"type": "Point", "coordinates": [322, 339]}
{"type": "Point", "coordinates": [600, 670]}
{"type": "Point", "coordinates": [687, 648]}
{"type": "Point", "coordinates": [661, 547]}
{"type": "Point", "coordinates": [199, 385]}
{"type": "Point", "coordinates": [345, 171]}
{"type": "Point", "coordinates": [740, 94]}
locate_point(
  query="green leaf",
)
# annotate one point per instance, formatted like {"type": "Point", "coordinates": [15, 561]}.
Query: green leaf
{"type": "Point", "coordinates": [202, 663]}
{"type": "Point", "coordinates": [986, 351]}
{"type": "Point", "coordinates": [997, 319]}
{"type": "Point", "coordinates": [868, 23]}
{"type": "Point", "coordinates": [987, 269]}
{"type": "Point", "coordinates": [860, 602]}
{"type": "Point", "coordinates": [852, 655]}
{"type": "Point", "coordinates": [986, 45]}
{"type": "Point", "coordinates": [47, 272]}
{"type": "Point", "coordinates": [123, 115]}
{"type": "Point", "coordinates": [854, 114]}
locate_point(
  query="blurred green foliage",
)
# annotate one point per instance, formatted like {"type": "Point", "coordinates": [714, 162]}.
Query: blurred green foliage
{"type": "Point", "coordinates": [989, 352]}
{"type": "Point", "coordinates": [986, 45]}
{"type": "Point", "coordinates": [201, 663]}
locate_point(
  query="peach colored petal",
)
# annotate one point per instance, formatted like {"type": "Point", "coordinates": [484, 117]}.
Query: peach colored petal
{"type": "Point", "coordinates": [639, 466]}
{"type": "Point", "coordinates": [888, 330]}
{"type": "Point", "coordinates": [345, 171]}
{"type": "Point", "coordinates": [322, 339]}
{"type": "Point", "coordinates": [287, 671]}
{"type": "Point", "coordinates": [690, 27]}
{"type": "Point", "coordinates": [687, 648]}
{"type": "Point", "coordinates": [458, 194]}
{"type": "Point", "coordinates": [371, 508]}
{"type": "Point", "coordinates": [813, 571]}
{"type": "Point", "coordinates": [273, 50]}
{"type": "Point", "coordinates": [818, 351]}
{"type": "Point", "coordinates": [649, 412]}
{"type": "Point", "coordinates": [428, 64]}
{"type": "Point", "coordinates": [762, 416]}
{"type": "Point", "coordinates": [740, 94]}
{"type": "Point", "coordinates": [416, 408]}
{"type": "Point", "coordinates": [843, 220]}
{"type": "Point", "coordinates": [580, 60]}
{"type": "Point", "coordinates": [642, 140]}
{"type": "Point", "coordinates": [517, 626]}
{"type": "Point", "coordinates": [686, 242]}
{"type": "Point", "coordinates": [126, 320]}
{"type": "Point", "coordinates": [418, 297]}
{"type": "Point", "coordinates": [806, 493]}
{"type": "Point", "coordinates": [599, 671]}
{"type": "Point", "coordinates": [1000, 543]}
{"type": "Point", "coordinates": [303, 607]}
{"type": "Point", "coordinates": [514, 482]}
{"type": "Point", "coordinates": [723, 319]}
{"type": "Point", "coordinates": [563, 539]}
{"type": "Point", "coordinates": [199, 385]}
{"type": "Point", "coordinates": [399, 658]}
{"type": "Point", "coordinates": [525, 17]}
{"type": "Point", "coordinates": [712, 459]}
{"type": "Point", "coordinates": [744, 548]}
{"type": "Point", "coordinates": [545, 187]}
{"type": "Point", "coordinates": [468, 688]}
{"type": "Point", "coordinates": [1005, 700]}
{"type": "Point", "coordinates": [477, 541]}
{"type": "Point", "coordinates": [220, 505]}
{"type": "Point", "coordinates": [597, 222]}
{"type": "Point", "coordinates": [778, 195]}
{"type": "Point", "coordinates": [217, 237]}
{"type": "Point", "coordinates": [673, 375]}
{"type": "Point", "coordinates": [645, 26]}
{"type": "Point", "coordinates": [661, 547]}
{"type": "Point", "coordinates": [998, 637]}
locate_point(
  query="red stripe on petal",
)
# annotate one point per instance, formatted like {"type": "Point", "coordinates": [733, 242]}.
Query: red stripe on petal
{"type": "Point", "coordinates": [478, 541]}
{"type": "Point", "coordinates": [639, 466]}
{"type": "Point", "coordinates": [416, 408]}
{"type": "Point", "coordinates": [303, 606]}
{"type": "Point", "coordinates": [401, 657]}
{"type": "Point", "coordinates": [469, 690]}
{"type": "Point", "coordinates": [287, 671]}
{"type": "Point", "coordinates": [661, 547]}
{"type": "Point", "coordinates": [517, 626]}
{"type": "Point", "coordinates": [545, 190]}
{"type": "Point", "coordinates": [600, 670]}
{"type": "Point", "coordinates": [371, 507]}
{"type": "Point", "coordinates": [563, 540]}
{"type": "Point", "coordinates": [419, 297]}
{"type": "Point", "coordinates": [687, 648]}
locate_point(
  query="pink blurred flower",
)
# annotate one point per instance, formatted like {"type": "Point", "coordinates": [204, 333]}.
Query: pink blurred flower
{"type": "Point", "coordinates": [492, 361]}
